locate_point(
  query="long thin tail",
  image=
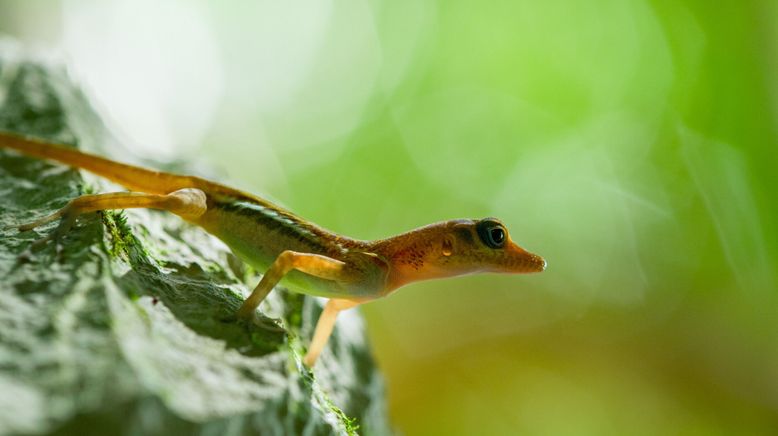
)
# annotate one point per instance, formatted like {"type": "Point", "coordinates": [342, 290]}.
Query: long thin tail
{"type": "Point", "coordinates": [132, 177]}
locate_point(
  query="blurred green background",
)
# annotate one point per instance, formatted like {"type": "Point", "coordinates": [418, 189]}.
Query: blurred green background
{"type": "Point", "coordinates": [631, 143]}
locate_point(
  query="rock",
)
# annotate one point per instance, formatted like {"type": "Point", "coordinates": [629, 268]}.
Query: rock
{"type": "Point", "coordinates": [127, 327]}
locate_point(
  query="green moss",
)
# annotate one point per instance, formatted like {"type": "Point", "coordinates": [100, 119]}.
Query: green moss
{"type": "Point", "coordinates": [119, 236]}
{"type": "Point", "coordinates": [350, 424]}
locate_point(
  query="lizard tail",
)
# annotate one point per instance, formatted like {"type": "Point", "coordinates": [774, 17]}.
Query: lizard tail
{"type": "Point", "coordinates": [132, 177]}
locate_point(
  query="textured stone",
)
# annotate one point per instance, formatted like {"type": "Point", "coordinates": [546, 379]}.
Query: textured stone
{"type": "Point", "coordinates": [126, 327]}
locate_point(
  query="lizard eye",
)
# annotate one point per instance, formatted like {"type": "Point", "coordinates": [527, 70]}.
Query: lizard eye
{"type": "Point", "coordinates": [492, 233]}
{"type": "Point", "coordinates": [496, 236]}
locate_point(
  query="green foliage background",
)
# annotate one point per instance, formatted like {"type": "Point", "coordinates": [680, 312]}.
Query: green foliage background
{"type": "Point", "coordinates": [631, 143]}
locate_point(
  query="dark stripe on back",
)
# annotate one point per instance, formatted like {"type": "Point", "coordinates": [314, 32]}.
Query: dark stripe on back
{"type": "Point", "coordinates": [280, 221]}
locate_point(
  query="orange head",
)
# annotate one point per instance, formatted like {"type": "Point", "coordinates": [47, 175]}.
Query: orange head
{"type": "Point", "coordinates": [453, 248]}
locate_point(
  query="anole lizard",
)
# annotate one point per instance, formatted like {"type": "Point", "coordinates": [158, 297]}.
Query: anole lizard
{"type": "Point", "coordinates": [303, 256]}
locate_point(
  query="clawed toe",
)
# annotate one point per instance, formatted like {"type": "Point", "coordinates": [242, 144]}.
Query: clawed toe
{"type": "Point", "coordinates": [45, 220]}
{"type": "Point", "coordinates": [65, 224]}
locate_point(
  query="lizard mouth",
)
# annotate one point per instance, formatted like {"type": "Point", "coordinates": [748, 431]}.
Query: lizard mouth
{"type": "Point", "coordinates": [539, 262]}
{"type": "Point", "coordinates": [519, 260]}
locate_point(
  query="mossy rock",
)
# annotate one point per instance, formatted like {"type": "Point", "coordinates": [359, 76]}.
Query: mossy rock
{"type": "Point", "coordinates": [126, 327]}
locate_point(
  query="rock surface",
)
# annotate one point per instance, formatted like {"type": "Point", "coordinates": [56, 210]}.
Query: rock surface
{"type": "Point", "coordinates": [125, 329]}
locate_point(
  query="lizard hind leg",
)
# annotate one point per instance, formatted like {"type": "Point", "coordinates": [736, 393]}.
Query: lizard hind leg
{"type": "Point", "coordinates": [188, 203]}
{"type": "Point", "coordinates": [324, 328]}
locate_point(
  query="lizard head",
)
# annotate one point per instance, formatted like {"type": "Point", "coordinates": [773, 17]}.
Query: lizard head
{"type": "Point", "coordinates": [453, 248]}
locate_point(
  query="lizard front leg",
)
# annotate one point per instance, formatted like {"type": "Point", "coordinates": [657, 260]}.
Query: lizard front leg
{"type": "Point", "coordinates": [315, 265]}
